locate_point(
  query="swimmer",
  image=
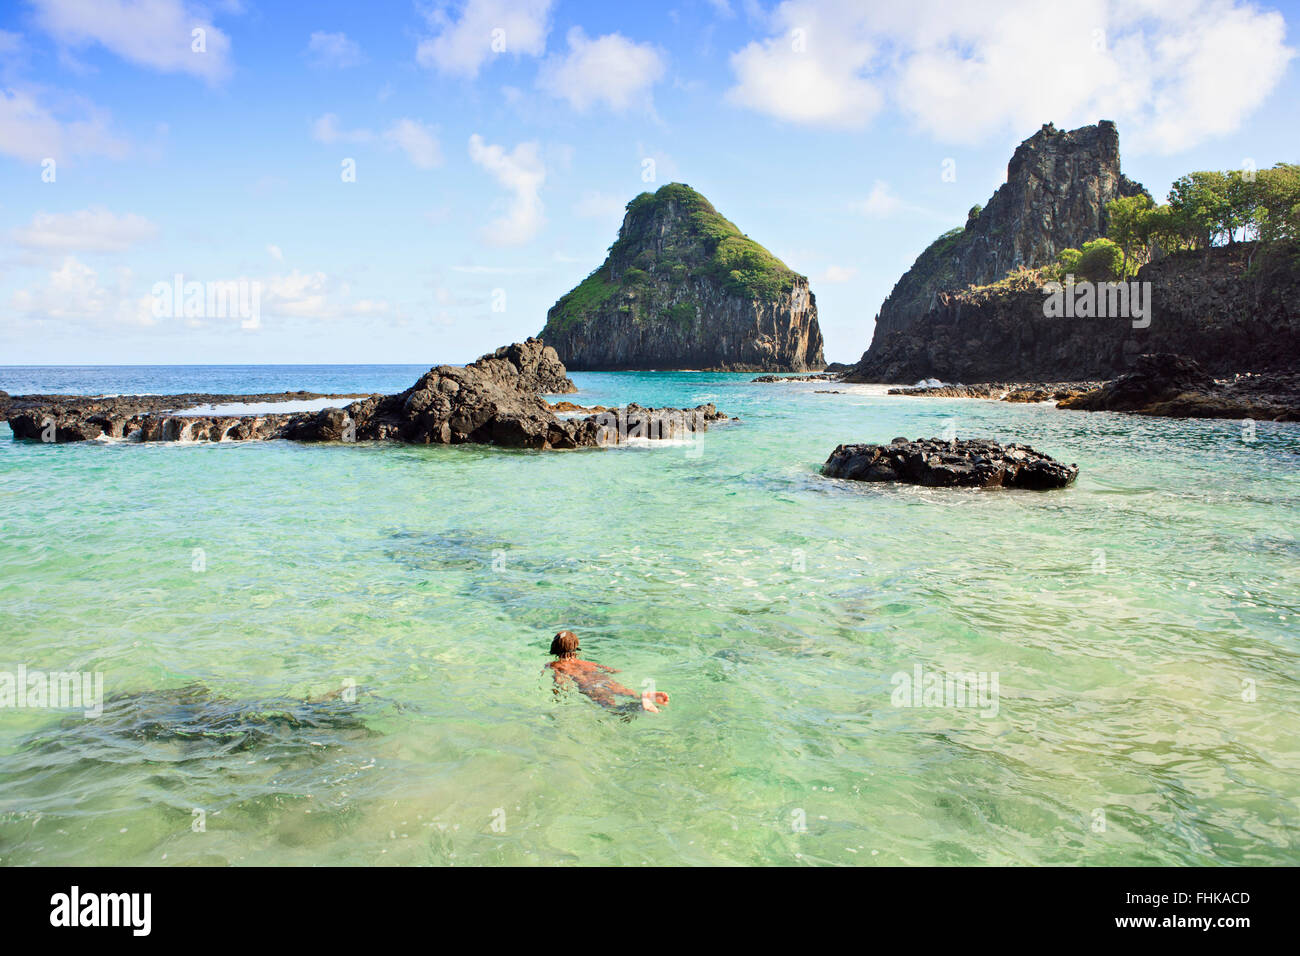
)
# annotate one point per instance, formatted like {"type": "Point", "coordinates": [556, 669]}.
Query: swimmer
{"type": "Point", "coordinates": [591, 680]}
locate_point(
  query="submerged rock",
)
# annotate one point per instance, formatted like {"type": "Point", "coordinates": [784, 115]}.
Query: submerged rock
{"type": "Point", "coordinates": [193, 714]}
{"type": "Point", "coordinates": [957, 464]}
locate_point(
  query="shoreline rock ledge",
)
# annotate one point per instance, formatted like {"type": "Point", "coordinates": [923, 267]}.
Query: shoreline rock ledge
{"type": "Point", "coordinates": [935, 463]}
{"type": "Point", "coordinates": [496, 400]}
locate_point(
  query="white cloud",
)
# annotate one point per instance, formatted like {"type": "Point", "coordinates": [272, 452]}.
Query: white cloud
{"type": "Point", "coordinates": [812, 70]}
{"type": "Point", "coordinates": [522, 173]}
{"type": "Point", "coordinates": [611, 70]}
{"type": "Point", "coordinates": [327, 130]}
{"type": "Point", "coordinates": [314, 295]}
{"type": "Point", "coordinates": [32, 130]}
{"type": "Point", "coordinates": [73, 292]}
{"type": "Point", "coordinates": [598, 205]}
{"type": "Point", "coordinates": [275, 252]}
{"type": "Point", "coordinates": [417, 141]}
{"type": "Point", "coordinates": [87, 230]}
{"type": "Point", "coordinates": [333, 50]}
{"type": "Point", "coordinates": [838, 273]}
{"type": "Point", "coordinates": [1171, 72]}
{"type": "Point", "coordinates": [881, 203]}
{"type": "Point", "coordinates": [152, 33]}
{"type": "Point", "coordinates": [655, 163]}
{"type": "Point", "coordinates": [485, 28]}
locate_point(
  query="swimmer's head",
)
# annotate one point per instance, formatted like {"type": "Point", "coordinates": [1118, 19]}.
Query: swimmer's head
{"type": "Point", "coordinates": [565, 644]}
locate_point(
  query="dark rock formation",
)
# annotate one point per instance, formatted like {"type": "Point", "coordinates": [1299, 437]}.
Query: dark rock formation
{"type": "Point", "coordinates": [1003, 391]}
{"type": "Point", "coordinates": [1058, 184]}
{"type": "Point", "coordinates": [67, 418]}
{"type": "Point", "coordinates": [539, 367]}
{"type": "Point", "coordinates": [815, 377]}
{"type": "Point", "coordinates": [1177, 387]}
{"type": "Point", "coordinates": [683, 288]}
{"type": "Point", "coordinates": [1228, 310]}
{"type": "Point", "coordinates": [494, 400]}
{"type": "Point", "coordinates": [950, 464]}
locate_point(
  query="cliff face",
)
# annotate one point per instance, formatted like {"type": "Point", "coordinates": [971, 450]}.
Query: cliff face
{"type": "Point", "coordinates": [682, 287]}
{"type": "Point", "coordinates": [1216, 312]}
{"type": "Point", "coordinates": [1058, 184]}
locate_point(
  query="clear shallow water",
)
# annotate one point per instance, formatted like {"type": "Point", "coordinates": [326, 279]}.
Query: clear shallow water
{"type": "Point", "coordinates": [772, 604]}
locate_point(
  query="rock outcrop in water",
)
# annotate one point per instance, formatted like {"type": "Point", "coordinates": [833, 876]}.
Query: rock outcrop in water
{"type": "Point", "coordinates": [1058, 184]}
{"type": "Point", "coordinates": [1021, 392]}
{"type": "Point", "coordinates": [1175, 386]}
{"type": "Point", "coordinates": [67, 418]}
{"type": "Point", "coordinates": [495, 400]}
{"type": "Point", "coordinates": [950, 464]}
{"type": "Point", "coordinates": [683, 288]}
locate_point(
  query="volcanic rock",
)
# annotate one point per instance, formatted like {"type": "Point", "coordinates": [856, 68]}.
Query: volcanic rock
{"type": "Point", "coordinates": [935, 463]}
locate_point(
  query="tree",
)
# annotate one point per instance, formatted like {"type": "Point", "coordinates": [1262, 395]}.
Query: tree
{"type": "Point", "coordinates": [1242, 200]}
{"type": "Point", "coordinates": [1129, 227]}
{"type": "Point", "coordinates": [1277, 209]}
{"type": "Point", "coordinates": [1201, 200]}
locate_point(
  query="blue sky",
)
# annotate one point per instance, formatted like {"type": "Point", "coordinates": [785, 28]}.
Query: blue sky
{"type": "Point", "coordinates": [495, 143]}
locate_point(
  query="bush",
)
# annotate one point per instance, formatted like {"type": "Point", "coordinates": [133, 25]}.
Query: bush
{"type": "Point", "coordinates": [1101, 261]}
{"type": "Point", "coordinates": [1069, 261]}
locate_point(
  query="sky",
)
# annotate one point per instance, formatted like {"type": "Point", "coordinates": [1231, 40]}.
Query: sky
{"type": "Point", "coordinates": [405, 182]}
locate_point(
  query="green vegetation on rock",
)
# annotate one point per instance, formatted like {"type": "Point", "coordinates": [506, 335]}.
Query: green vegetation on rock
{"type": "Point", "coordinates": [1205, 209]}
{"type": "Point", "coordinates": [1210, 208]}
{"type": "Point", "coordinates": [674, 236]}
{"type": "Point", "coordinates": [1100, 260]}
{"type": "Point", "coordinates": [587, 296]}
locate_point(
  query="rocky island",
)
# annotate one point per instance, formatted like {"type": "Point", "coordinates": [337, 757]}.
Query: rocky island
{"type": "Point", "coordinates": [683, 288]}
{"type": "Point", "coordinates": [936, 463]}
{"type": "Point", "coordinates": [496, 400]}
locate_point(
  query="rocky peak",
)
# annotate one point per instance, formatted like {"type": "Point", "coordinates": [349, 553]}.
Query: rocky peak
{"type": "Point", "coordinates": [683, 287]}
{"type": "Point", "coordinates": [1058, 185]}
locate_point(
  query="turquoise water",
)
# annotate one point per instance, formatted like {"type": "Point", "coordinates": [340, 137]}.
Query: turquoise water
{"type": "Point", "coordinates": [1126, 618]}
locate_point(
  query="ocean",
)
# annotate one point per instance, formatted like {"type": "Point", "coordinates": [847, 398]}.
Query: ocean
{"type": "Point", "coordinates": [1139, 628]}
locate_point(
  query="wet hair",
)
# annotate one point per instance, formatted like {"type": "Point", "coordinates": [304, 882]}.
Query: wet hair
{"type": "Point", "coordinates": [565, 644]}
